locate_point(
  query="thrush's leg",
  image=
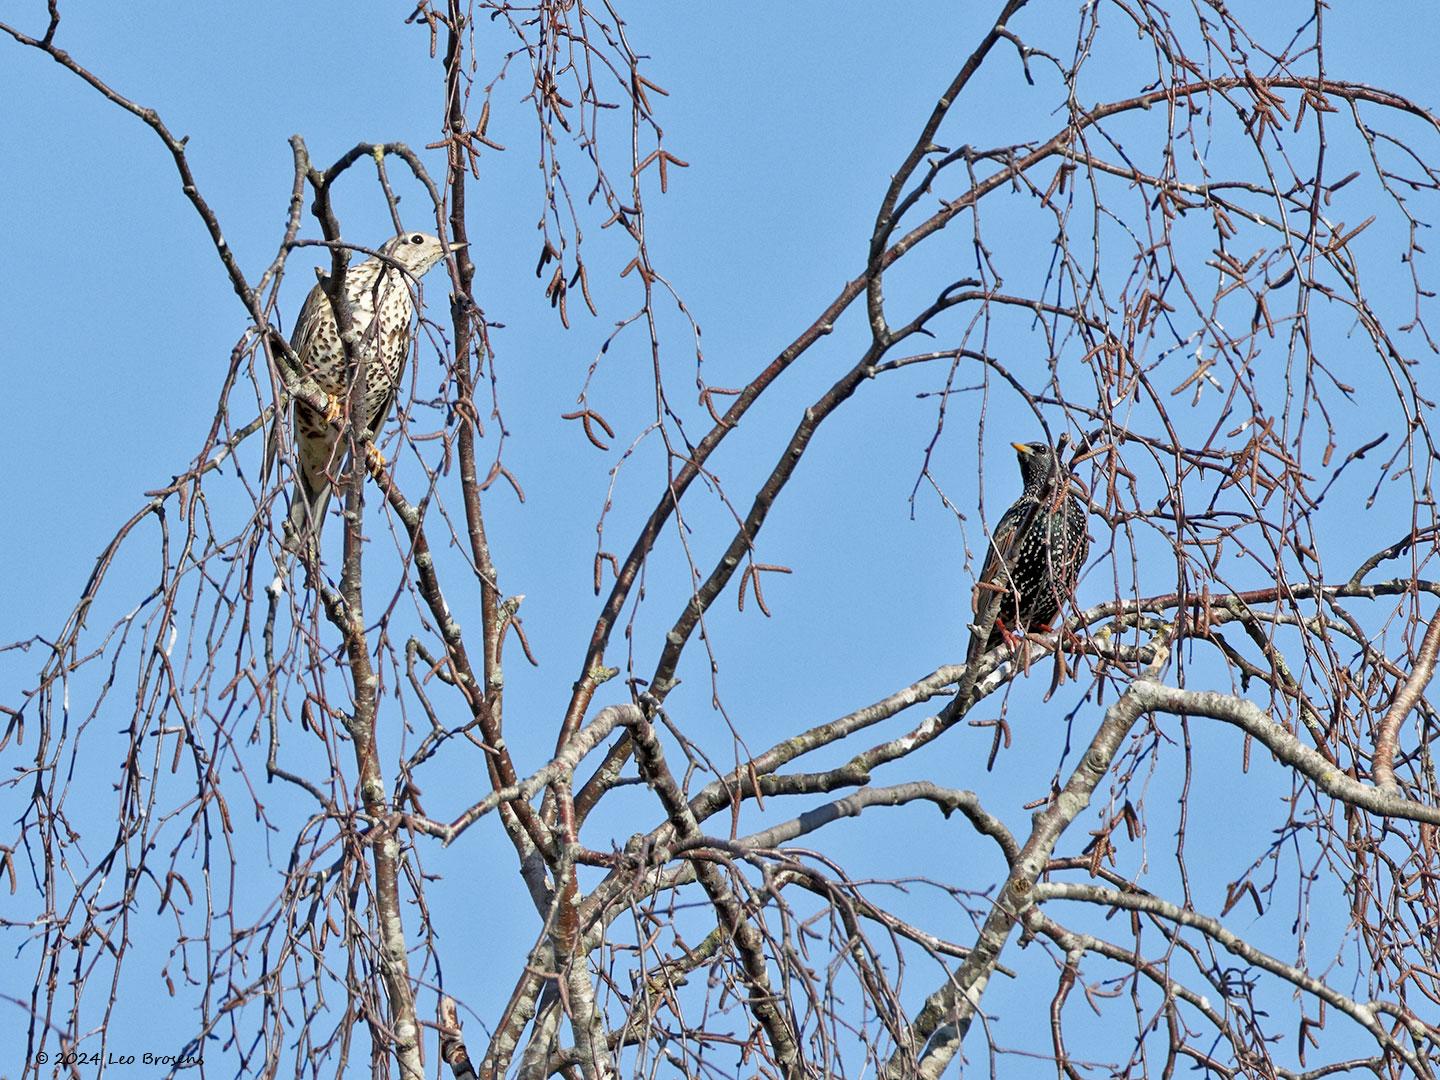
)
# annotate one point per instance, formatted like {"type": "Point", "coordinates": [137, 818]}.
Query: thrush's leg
{"type": "Point", "coordinates": [375, 461]}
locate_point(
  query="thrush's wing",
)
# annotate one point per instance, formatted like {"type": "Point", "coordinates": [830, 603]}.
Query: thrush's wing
{"type": "Point", "coordinates": [314, 439]}
{"type": "Point", "coordinates": [272, 436]}
{"type": "Point", "coordinates": [301, 339]}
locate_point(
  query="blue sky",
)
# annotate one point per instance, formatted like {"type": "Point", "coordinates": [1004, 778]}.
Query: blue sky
{"type": "Point", "coordinates": [792, 118]}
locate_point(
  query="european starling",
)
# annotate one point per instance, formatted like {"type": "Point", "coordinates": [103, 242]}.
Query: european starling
{"type": "Point", "coordinates": [1035, 554]}
{"type": "Point", "coordinates": [381, 285]}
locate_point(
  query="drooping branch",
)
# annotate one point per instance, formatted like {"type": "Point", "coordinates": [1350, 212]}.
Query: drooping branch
{"type": "Point", "coordinates": [1363, 1013]}
{"type": "Point", "coordinates": [1253, 720]}
{"type": "Point", "coordinates": [1387, 736]}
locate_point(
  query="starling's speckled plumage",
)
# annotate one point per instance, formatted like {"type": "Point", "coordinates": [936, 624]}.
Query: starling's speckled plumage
{"type": "Point", "coordinates": [1036, 551]}
{"type": "Point", "coordinates": [379, 294]}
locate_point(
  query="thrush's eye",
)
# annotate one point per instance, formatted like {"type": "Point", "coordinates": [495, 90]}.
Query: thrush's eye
{"type": "Point", "coordinates": [417, 239]}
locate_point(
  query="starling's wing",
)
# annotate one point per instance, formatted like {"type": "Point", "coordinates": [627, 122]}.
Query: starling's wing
{"type": "Point", "coordinates": [1075, 549]}
{"type": "Point", "coordinates": [1078, 526]}
{"type": "Point", "coordinates": [994, 582]}
{"type": "Point", "coordinates": [1005, 549]}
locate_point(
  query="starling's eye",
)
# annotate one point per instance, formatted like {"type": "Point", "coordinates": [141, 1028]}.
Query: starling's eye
{"type": "Point", "coordinates": [417, 239]}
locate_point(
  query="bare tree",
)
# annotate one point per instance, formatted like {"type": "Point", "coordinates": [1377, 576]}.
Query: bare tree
{"type": "Point", "coordinates": [1198, 324]}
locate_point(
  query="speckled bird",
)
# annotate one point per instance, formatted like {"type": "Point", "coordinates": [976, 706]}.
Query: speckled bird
{"type": "Point", "coordinates": [1036, 551]}
{"type": "Point", "coordinates": [376, 285]}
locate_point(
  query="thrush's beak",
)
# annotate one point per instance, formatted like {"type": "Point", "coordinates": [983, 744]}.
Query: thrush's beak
{"type": "Point", "coordinates": [458, 247]}
{"type": "Point", "coordinates": [1022, 449]}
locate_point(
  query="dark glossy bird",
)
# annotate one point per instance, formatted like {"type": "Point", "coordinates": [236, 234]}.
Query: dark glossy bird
{"type": "Point", "coordinates": [1036, 552]}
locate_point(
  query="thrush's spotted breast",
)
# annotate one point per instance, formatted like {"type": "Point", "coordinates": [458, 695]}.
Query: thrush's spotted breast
{"type": "Point", "coordinates": [1036, 551]}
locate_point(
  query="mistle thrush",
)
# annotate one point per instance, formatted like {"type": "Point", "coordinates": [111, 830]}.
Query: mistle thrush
{"type": "Point", "coordinates": [376, 285]}
{"type": "Point", "coordinates": [1036, 552]}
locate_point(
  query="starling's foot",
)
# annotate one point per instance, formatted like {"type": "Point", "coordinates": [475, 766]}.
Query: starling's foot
{"type": "Point", "coordinates": [375, 460]}
{"type": "Point", "coordinates": [1006, 636]}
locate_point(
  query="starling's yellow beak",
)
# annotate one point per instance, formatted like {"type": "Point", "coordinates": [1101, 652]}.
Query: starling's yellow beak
{"type": "Point", "coordinates": [1021, 448]}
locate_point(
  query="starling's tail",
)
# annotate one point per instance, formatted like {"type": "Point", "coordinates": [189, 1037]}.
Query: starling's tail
{"type": "Point", "coordinates": [979, 647]}
{"type": "Point", "coordinates": [985, 632]}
